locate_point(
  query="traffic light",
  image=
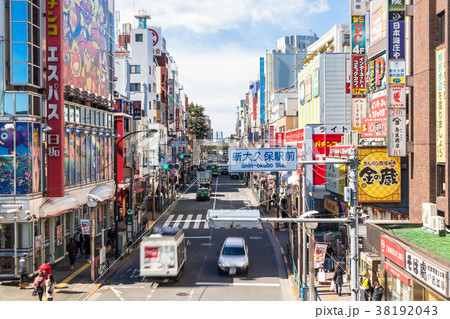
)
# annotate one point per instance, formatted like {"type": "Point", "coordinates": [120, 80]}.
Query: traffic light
{"type": "Point", "coordinates": [171, 166]}
{"type": "Point", "coordinates": [181, 156]}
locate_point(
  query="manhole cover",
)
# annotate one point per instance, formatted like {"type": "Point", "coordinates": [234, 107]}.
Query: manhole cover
{"type": "Point", "coordinates": [182, 294]}
{"type": "Point", "coordinates": [255, 237]}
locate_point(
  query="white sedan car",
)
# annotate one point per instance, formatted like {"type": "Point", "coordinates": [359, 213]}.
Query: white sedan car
{"type": "Point", "coordinates": [233, 256]}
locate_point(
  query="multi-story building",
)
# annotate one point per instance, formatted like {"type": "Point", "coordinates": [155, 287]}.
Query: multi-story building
{"type": "Point", "coordinates": [57, 143]}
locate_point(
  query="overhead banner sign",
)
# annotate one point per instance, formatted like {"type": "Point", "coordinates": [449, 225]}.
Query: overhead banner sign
{"type": "Point", "coordinates": [359, 35]}
{"type": "Point", "coordinates": [379, 176]}
{"type": "Point", "coordinates": [55, 99]}
{"type": "Point", "coordinates": [441, 117]}
{"type": "Point", "coordinates": [262, 159]}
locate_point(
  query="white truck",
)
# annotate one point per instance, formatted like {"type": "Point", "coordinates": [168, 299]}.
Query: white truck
{"type": "Point", "coordinates": [204, 175]}
{"type": "Point", "coordinates": [163, 253]}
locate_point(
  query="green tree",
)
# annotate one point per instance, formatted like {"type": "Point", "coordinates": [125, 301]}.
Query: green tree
{"type": "Point", "coordinates": [197, 121]}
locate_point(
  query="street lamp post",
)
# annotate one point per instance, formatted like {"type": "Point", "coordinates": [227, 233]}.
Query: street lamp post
{"type": "Point", "coordinates": [116, 206]}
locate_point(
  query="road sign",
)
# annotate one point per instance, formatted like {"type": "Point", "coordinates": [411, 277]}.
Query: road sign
{"type": "Point", "coordinates": [162, 160]}
{"type": "Point", "coordinates": [178, 143]}
{"type": "Point", "coordinates": [129, 211]}
{"type": "Point", "coordinates": [172, 175]}
{"type": "Point", "coordinates": [262, 159]}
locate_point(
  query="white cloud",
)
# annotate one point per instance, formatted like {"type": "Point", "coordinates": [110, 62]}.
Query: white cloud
{"type": "Point", "coordinates": [210, 16]}
{"type": "Point", "coordinates": [217, 79]}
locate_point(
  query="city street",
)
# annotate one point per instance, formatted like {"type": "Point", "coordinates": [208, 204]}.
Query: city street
{"type": "Point", "coordinates": [267, 278]}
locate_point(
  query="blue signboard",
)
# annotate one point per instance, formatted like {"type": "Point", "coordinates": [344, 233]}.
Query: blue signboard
{"type": "Point", "coordinates": [250, 137]}
{"type": "Point", "coordinates": [397, 35]}
{"type": "Point", "coordinates": [136, 110]}
{"type": "Point", "coordinates": [262, 159]}
{"type": "Point", "coordinates": [262, 90]}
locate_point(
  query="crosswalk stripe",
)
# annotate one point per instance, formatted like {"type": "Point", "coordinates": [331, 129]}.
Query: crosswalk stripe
{"type": "Point", "coordinates": [206, 225]}
{"type": "Point", "coordinates": [197, 221]}
{"type": "Point", "coordinates": [188, 221]}
{"type": "Point", "coordinates": [177, 222]}
{"type": "Point", "coordinates": [168, 220]}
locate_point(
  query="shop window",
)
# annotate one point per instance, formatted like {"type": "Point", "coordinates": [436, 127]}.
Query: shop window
{"type": "Point", "coordinates": [441, 180]}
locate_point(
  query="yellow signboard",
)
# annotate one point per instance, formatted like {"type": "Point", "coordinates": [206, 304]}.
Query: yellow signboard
{"type": "Point", "coordinates": [441, 137]}
{"type": "Point", "coordinates": [379, 176]}
{"type": "Point", "coordinates": [331, 206]}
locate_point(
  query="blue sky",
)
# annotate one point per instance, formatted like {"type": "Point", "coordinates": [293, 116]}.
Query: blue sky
{"type": "Point", "coordinates": [217, 43]}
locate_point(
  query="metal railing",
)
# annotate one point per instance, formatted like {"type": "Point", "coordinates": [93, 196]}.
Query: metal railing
{"type": "Point", "coordinates": [293, 268]}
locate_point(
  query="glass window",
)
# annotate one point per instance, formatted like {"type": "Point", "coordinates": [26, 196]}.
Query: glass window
{"type": "Point", "coordinates": [88, 116]}
{"type": "Point", "coordinates": [441, 28]}
{"type": "Point", "coordinates": [36, 105]}
{"type": "Point", "coordinates": [19, 73]}
{"type": "Point", "coordinates": [22, 104]}
{"type": "Point", "coordinates": [19, 32]}
{"type": "Point", "coordinates": [72, 114]}
{"type": "Point", "coordinates": [139, 37]}
{"type": "Point", "coordinates": [19, 11]}
{"type": "Point", "coordinates": [97, 115]}
{"type": "Point", "coordinates": [20, 52]}
{"type": "Point", "coordinates": [135, 69]}
{"type": "Point", "coordinates": [83, 115]}
{"type": "Point", "coordinates": [66, 112]}
{"type": "Point", "coordinates": [9, 104]}
{"type": "Point", "coordinates": [77, 115]}
{"type": "Point", "coordinates": [135, 86]}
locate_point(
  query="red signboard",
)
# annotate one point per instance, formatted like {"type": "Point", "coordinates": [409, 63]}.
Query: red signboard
{"type": "Point", "coordinates": [177, 120]}
{"type": "Point", "coordinates": [378, 106]}
{"type": "Point", "coordinates": [299, 157]}
{"type": "Point", "coordinates": [295, 136]}
{"type": "Point", "coordinates": [373, 127]}
{"type": "Point", "coordinates": [321, 149]}
{"type": "Point", "coordinates": [392, 251]}
{"type": "Point", "coordinates": [272, 136]}
{"type": "Point", "coordinates": [279, 137]}
{"type": "Point", "coordinates": [358, 75]}
{"type": "Point", "coordinates": [151, 252]}
{"type": "Point", "coordinates": [341, 151]}
{"type": "Point", "coordinates": [397, 274]}
{"type": "Point", "coordinates": [55, 99]}
{"type": "Point", "coordinates": [255, 109]}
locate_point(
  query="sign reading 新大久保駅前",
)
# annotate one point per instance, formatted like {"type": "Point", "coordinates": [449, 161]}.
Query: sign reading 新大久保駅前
{"type": "Point", "coordinates": [262, 159]}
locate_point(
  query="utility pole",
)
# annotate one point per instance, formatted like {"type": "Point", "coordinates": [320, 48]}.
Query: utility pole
{"type": "Point", "coordinates": [354, 251]}
{"type": "Point", "coordinates": [92, 239]}
{"type": "Point", "coordinates": [304, 237]}
{"type": "Point", "coordinates": [131, 196]}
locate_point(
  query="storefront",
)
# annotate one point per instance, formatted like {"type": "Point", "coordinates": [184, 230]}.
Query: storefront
{"type": "Point", "coordinates": [370, 263]}
{"type": "Point", "coordinates": [398, 283]}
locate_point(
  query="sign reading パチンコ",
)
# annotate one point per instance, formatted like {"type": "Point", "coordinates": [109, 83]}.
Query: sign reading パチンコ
{"type": "Point", "coordinates": [379, 176]}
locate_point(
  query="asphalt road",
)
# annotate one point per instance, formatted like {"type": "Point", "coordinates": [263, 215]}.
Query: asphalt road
{"type": "Point", "coordinates": [200, 281]}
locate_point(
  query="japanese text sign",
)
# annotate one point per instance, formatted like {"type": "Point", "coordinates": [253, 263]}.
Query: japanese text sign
{"type": "Point", "coordinates": [397, 96]}
{"type": "Point", "coordinates": [358, 7]}
{"type": "Point", "coordinates": [377, 73]}
{"type": "Point", "coordinates": [441, 117]}
{"type": "Point", "coordinates": [397, 5]}
{"type": "Point", "coordinates": [392, 251]}
{"type": "Point", "coordinates": [359, 35]}
{"type": "Point", "coordinates": [358, 111]}
{"type": "Point", "coordinates": [55, 99]}
{"type": "Point", "coordinates": [262, 159]}
{"type": "Point", "coordinates": [397, 274]}
{"type": "Point", "coordinates": [262, 93]}
{"type": "Point", "coordinates": [397, 71]}
{"type": "Point", "coordinates": [427, 273]}
{"type": "Point", "coordinates": [279, 138]}
{"type": "Point", "coordinates": [377, 24]}
{"type": "Point", "coordinates": [308, 92]}
{"type": "Point", "coordinates": [136, 110]}
{"type": "Point", "coordinates": [373, 127]}
{"type": "Point", "coordinates": [397, 132]}
{"type": "Point", "coordinates": [379, 176]}
{"type": "Point", "coordinates": [358, 75]}
{"type": "Point", "coordinates": [396, 35]}
{"type": "Point", "coordinates": [315, 83]}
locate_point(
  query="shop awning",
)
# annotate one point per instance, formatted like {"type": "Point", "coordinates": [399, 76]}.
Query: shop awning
{"type": "Point", "coordinates": [102, 193]}
{"type": "Point", "coordinates": [10, 208]}
{"type": "Point", "coordinates": [56, 205]}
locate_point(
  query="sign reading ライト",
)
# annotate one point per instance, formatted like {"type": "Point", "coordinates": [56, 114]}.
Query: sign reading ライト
{"type": "Point", "coordinates": [262, 159]}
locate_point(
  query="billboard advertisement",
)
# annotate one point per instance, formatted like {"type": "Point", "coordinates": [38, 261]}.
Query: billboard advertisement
{"type": "Point", "coordinates": [377, 23]}
{"type": "Point", "coordinates": [373, 127]}
{"type": "Point", "coordinates": [379, 176]}
{"type": "Point", "coordinates": [321, 148]}
{"type": "Point", "coordinates": [397, 96]}
{"type": "Point", "coordinates": [301, 92]}
{"type": "Point", "coordinates": [377, 72]}
{"type": "Point", "coordinates": [441, 116]}
{"type": "Point", "coordinates": [359, 35]}
{"type": "Point", "coordinates": [279, 137]}
{"type": "Point", "coordinates": [56, 55]}
{"type": "Point", "coordinates": [358, 75]}
{"type": "Point", "coordinates": [156, 33]}
{"type": "Point", "coordinates": [86, 45]}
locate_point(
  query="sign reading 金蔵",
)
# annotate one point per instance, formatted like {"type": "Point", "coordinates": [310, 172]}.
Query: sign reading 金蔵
{"type": "Point", "coordinates": [55, 99]}
{"type": "Point", "coordinates": [262, 159]}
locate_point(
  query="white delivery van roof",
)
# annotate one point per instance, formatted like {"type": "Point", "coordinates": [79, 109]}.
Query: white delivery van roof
{"type": "Point", "coordinates": [227, 216]}
{"type": "Point", "coordinates": [165, 233]}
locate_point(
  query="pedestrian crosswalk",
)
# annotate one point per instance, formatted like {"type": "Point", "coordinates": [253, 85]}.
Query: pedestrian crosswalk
{"type": "Point", "coordinates": [188, 221]}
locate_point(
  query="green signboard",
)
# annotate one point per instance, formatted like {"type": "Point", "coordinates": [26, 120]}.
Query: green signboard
{"type": "Point", "coordinates": [397, 5]}
{"type": "Point", "coordinates": [315, 84]}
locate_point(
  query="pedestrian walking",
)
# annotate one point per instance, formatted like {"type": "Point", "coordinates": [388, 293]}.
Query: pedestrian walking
{"type": "Point", "coordinates": [46, 269]}
{"type": "Point", "coordinates": [87, 247]}
{"type": "Point", "coordinates": [274, 199]}
{"type": "Point", "coordinates": [39, 285]}
{"type": "Point", "coordinates": [338, 278]}
{"type": "Point", "coordinates": [328, 257]}
{"type": "Point", "coordinates": [112, 237]}
{"type": "Point", "coordinates": [72, 249]}
{"type": "Point", "coordinates": [23, 270]}
{"type": "Point", "coordinates": [366, 286]}
{"type": "Point", "coordinates": [50, 285]}
{"type": "Point", "coordinates": [78, 239]}
{"type": "Point", "coordinates": [377, 293]}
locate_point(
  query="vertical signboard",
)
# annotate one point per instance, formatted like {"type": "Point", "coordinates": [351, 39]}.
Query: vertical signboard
{"type": "Point", "coordinates": [397, 5]}
{"type": "Point", "coordinates": [308, 83]}
{"type": "Point", "coordinates": [272, 136]}
{"type": "Point", "coordinates": [156, 33]}
{"type": "Point", "coordinates": [359, 35]}
{"type": "Point", "coordinates": [55, 99]}
{"type": "Point", "coordinates": [397, 132]}
{"type": "Point", "coordinates": [441, 116]}
{"type": "Point", "coordinates": [136, 110]}
{"type": "Point", "coordinates": [279, 137]}
{"type": "Point", "coordinates": [358, 112]}
{"type": "Point", "coordinates": [262, 91]}
{"type": "Point", "coordinates": [358, 7]}
{"type": "Point", "coordinates": [177, 120]}
{"type": "Point", "coordinates": [377, 24]}
{"type": "Point", "coordinates": [358, 75]}
{"type": "Point", "coordinates": [377, 73]}
{"type": "Point", "coordinates": [315, 83]}
{"type": "Point", "coordinates": [170, 97]}
{"type": "Point", "coordinates": [397, 35]}
{"type": "Point", "coordinates": [255, 108]}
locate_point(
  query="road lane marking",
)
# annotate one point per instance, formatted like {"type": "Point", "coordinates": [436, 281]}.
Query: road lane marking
{"type": "Point", "coordinates": [236, 284]}
{"type": "Point", "coordinates": [177, 222]}
{"type": "Point", "coordinates": [215, 193]}
{"type": "Point", "coordinates": [154, 286]}
{"type": "Point", "coordinates": [168, 220]}
{"type": "Point", "coordinates": [66, 281]}
{"type": "Point", "coordinates": [117, 292]}
{"type": "Point", "coordinates": [188, 221]}
{"type": "Point", "coordinates": [206, 226]}
{"type": "Point", "coordinates": [198, 237]}
{"type": "Point", "coordinates": [197, 221]}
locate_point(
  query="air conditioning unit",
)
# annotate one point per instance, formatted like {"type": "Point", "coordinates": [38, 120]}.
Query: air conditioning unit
{"type": "Point", "coordinates": [428, 210]}
{"type": "Point", "coordinates": [437, 223]}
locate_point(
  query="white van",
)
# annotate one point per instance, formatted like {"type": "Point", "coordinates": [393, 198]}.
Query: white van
{"type": "Point", "coordinates": [163, 253]}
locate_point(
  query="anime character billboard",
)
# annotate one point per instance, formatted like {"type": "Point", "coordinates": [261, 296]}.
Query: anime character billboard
{"type": "Point", "coordinates": [85, 47]}
{"type": "Point", "coordinates": [6, 160]}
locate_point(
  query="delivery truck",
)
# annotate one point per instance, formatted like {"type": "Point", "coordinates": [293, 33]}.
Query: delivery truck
{"type": "Point", "coordinates": [163, 253]}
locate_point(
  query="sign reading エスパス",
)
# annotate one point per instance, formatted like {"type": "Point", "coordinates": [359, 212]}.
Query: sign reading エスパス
{"type": "Point", "coordinates": [262, 159]}
{"type": "Point", "coordinates": [379, 176]}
